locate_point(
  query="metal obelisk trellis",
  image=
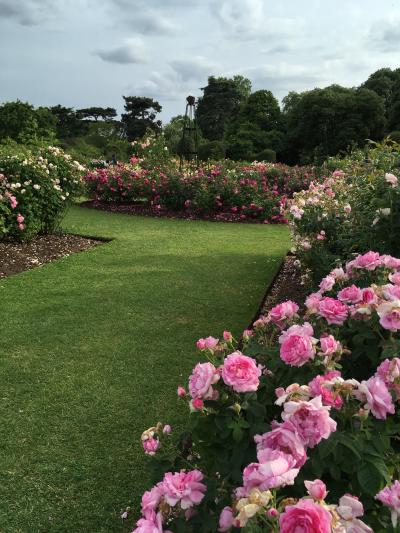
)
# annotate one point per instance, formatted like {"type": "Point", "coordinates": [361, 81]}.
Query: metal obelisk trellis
{"type": "Point", "coordinates": [189, 141]}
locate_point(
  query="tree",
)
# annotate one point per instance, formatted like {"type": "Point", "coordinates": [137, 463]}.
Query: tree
{"type": "Point", "coordinates": [382, 83]}
{"type": "Point", "coordinates": [173, 133]}
{"type": "Point", "coordinates": [105, 113]}
{"type": "Point", "coordinates": [140, 116]}
{"type": "Point", "coordinates": [69, 124]}
{"type": "Point", "coordinates": [22, 123]}
{"type": "Point", "coordinates": [220, 102]}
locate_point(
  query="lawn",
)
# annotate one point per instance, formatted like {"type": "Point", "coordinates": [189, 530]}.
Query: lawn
{"type": "Point", "coordinates": [92, 348]}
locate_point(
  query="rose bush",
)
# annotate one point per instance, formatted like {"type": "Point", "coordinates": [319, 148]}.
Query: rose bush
{"type": "Point", "coordinates": [310, 393]}
{"type": "Point", "coordinates": [256, 191]}
{"type": "Point", "coordinates": [35, 189]}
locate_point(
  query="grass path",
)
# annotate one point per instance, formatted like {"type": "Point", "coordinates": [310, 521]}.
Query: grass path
{"type": "Point", "coordinates": [92, 348]}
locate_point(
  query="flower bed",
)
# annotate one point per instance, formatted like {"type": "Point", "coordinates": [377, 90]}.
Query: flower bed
{"type": "Point", "coordinates": [297, 427]}
{"type": "Point", "coordinates": [35, 189]}
{"type": "Point", "coordinates": [255, 191]}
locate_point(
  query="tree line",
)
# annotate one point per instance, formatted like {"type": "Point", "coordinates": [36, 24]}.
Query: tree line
{"type": "Point", "coordinates": [233, 121]}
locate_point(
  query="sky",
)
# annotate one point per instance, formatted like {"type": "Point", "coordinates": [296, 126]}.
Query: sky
{"type": "Point", "coordinates": [82, 53]}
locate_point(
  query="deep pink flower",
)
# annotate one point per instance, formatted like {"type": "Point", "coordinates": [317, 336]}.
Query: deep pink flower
{"type": "Point", "coordinates": [197, 404]}
{"type": "Point", "coordinates": [181, 392]}
{"type": "Point", "coordinates": [319, 386]}
{"type": "Point", "coordinates": [329, 345]}
{"type": "Point", "coordinates": [241, 372]}
{"type": "Point", "coordinates": [150, 445]}
{"type": "Point", "coordinates": [390, 496]}
{"type": "Point", "coordinates": [282, 312]}
{"type": "Point", "coordinates": [283, 438]}
{"type": "Point", "coordinates": [305, 517]}
{"type": "Point", "coordinates": [227, 336]}
{"type": "Point", "coordinates": [332, 310]}
{"type": "Point", "coordinates": [352, 295]}
{"type": "Point", "coordinates": [297, 345]}
{"type": "Point", "coordinates": [184, 488]}
{"type": "Point", "coordinates": [204, 375]}
{"type": "Point", "coordinates": [376, 396]}
{"type": "Point", "coordinates": [145, 525]}
{"type": "Point", "coordinates": [316, 489]}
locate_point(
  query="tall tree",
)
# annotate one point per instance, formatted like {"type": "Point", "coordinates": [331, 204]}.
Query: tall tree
{"type": "Point", "coordinates": [105, 113]}
{"type": "Point", "coordinates": [22, 123]}
{"type": "Point", "coordinates": [69, 124]}
{"type": "Point", "coordinates": [140, 116]}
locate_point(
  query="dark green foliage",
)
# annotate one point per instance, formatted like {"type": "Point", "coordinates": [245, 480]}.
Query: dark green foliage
{"type": "Point", "coordinates": [212, 150]}
{"type": "Point", "coordinates": [267, 155]}
{"type": "Point", "coordinates": [20, 122]}
{"type": "Point", "coordinates": [105, 113]}
{"type": "Point", "coordinates": [140, 116]}
{"type": "Point", "coordinates": [69, 124]}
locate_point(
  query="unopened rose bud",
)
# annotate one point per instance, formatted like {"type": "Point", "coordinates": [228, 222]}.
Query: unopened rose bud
{"type": "Point", "coordinates": [228, 336]}
{"type": "Point", "coordinates": [181, 392]}
{"type": "Point", "coordinates": [272, 513]}
{"type": "Point", "coordinates": [167, 429]}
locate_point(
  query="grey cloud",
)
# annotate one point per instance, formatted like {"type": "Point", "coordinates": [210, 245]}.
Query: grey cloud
{"type": "Point", "coordinates": [132, 51]}
{"type": "Point", "coordinates": [152, 24]}
{"type": "Point", "coordinates": [195, 68]}
{"type": "Point", "coordinates": [27, 13]}
{"type": "Point", "coordinates": [385, 35]}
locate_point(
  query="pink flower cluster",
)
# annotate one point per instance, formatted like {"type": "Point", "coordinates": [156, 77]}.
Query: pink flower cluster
{"type": "Point", "coordinates": [390, 496]}
{"type": "Point", "coordinates": [180, 490]}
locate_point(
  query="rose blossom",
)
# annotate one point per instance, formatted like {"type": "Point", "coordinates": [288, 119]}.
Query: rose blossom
{"type": "Point", "coordinates": [184, 487]}
{"type": "Point", "coordinates": [181, 392]}
{"type": "Point", "coordinates": [316, 489]}
{"type": "Point", "coordinates": [297, 345]}
{"type": "Point", "coordinates": [376, 396]}
{"type": "Point", "coordinates": [332, 310]}
{"type": "Point", "coordinates": [282, 438]}
{"type": "Point", "coordinates": [226, 519]}
{"type": "Point", "coordinates": [312, 302]}
{"type": "Point", "coordinates": [241, 372]}
{"type": "Point", "coordinates": [283, 311]}
{"type": "Point", "coordinates": [329, 345]}
{"type": "Point", "coordinates": [327, 283]}
{"type": "Point", "coordinates": [305, 517]}
{"type": "Point", "coordinates": [311, 420]}
{"type": "Point", "coordinates": [204, 375]}
{"type": "Point", "coordinates": [150, 445]}
{"type": "Point", "coordinates": [390, 262]}
{"type": "Point", "coordinates": [20, 219]}
{"type": "Point", "coordinates": [389, 372]}
{"type": "Point", "coordinates": [367, 261]}
{"type": "Point", "coordinates": [352, 295]}
{"type": "Point", "coordinates": [368, 296]}
{"type": "Point", "coordinates": [389, 315]}
{"type": "Point", "coordinates": [319, 386]}
{"type": "Point", "coordinates": [392, 179]}
{"type": "Point", "coordinates": [394, 277]}
{"type": "Point", "coordinates": [350, 507]}
{"type": "Point", "coordinates": [391, 292]}
{"type": "Point", "coordinates": [208, 343]}
{"type": "Point", "coordinates": [150, 500]}
{"type": "Point", "coordinates": [145, 525]}
{"type": "Point", "coordinates": [277, 470]}
{"type": "Point", "coordinates": [390, 496]}
{"type": "Point", "coordinates": [227, 336]}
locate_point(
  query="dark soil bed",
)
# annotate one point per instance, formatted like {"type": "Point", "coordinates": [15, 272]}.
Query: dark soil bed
{"type": "Point", "coordinates": [16, 257]}
{"type": "Point", "coordinates": [149, 211]}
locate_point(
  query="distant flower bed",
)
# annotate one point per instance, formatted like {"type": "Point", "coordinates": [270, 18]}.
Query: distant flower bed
{"type": "Point", "coordinates": [35, 189]}
{"type": "Point", "coordinates": [253, 191]}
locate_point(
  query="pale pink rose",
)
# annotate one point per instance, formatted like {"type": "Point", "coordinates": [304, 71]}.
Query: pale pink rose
{"type": "Point", "coordinates": [277, 470]}
{"type": "Point", "coordinates": [311, 420]}
{"type": "Point", "coordinates": [201, 344]}
{"type": "Point", "coordinates": [321, 236]}
{"type": "Point", "coordinates": [392, 179]}
{"type": "Point", "coordinates": [376, 396]}
{"type": "Point", "coordinates": [352, 295]}
{"type": "Point", "coordinates": [332, 310]}
{"type": "Point", "coordinates": [350, 507]}
{"type": "Point", "coordinates": [390, 496]}
{"type": "Point", "coordinates": [282, 438]}
{"type": "Point", "coordinates": [347, 208]}
{"type": "Point", "coordinates": [390, 262]}
{"type": "Point", "coordinates": [146, 525]}
{"type": "Point", "coordinates": [305, 517]}
{"type": "Point", "coordinates": [241, 372]}
{"type": "Point", "coordinates": [367, 261]}
{"type": "Point", "coordinates": [368, 296]}
{"type": "Point", "coordinates": [209, 343]}
{"type": "Point", "coordinates": [337, 174]}
{"type": "Point", "coordinates": [204, 376]}
{"type": "Point", "coordinates": [20, 219]}
{"type": "Point", "coordinates": [282, 312]}
{"type": "Point", "coordinates": [184, 487]}
{"type": "Point", "coordinates": [316, 489]}
{"type": "Point", "coordinates": [167, 429]}
{"type": "Point", "coordinates": [181, 392]}
{"type": "Point", "coordinates": [297, 345]}
{"type": "Point", "coordinates": [354, 526]}
{"type": "Point", "coordinates": [389, 372]}
{"type": "Point", "coordinates": [312, 302]}
{"type": "Point", "coordinates": [391, 292]}
{"type": "Point", "coordinates": [389, 315]}
{"type": "Point", "coordinates": [226, 519]}
{"type": "Point", "coordinates": [151, 499]}
{"type": "Point", "coordinates": [260, 322]}
{"type": "Point", "coordinates": [247, 333]}
{"type": "Point", "coordinates": [150, 445]}
{"type": "Point", "coordinates": [394, 277]}
{"type": "Point", "coordinates": [21, 227]}
{"type": "Point", "coordinates": [327, 283]}
{"type": "Point", "coordinates": [329, 345]}
{"type": "Point", "coordinates": [227, 336]}
{"type": "Point", "coordinates": [320, 386]}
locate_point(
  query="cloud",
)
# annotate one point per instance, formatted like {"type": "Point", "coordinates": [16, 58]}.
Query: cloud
{"type": "Point", "coordinates": [152, 24]}
{"type": "Point", "coordinates": [26, 13]}
{"type": "Point", "coordinates": [132, 51]}
{"type": "Point", "coordinates": [197, 68]}
{"type": "Point", "coordinates": [385, 35]}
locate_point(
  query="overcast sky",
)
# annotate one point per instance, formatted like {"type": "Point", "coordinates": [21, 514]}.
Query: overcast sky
{"type": "Point", "coordinates": [81, 53]}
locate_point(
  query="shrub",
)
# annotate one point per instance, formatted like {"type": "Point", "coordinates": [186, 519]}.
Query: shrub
{"type": "Point", "coordinates": [35, 189]}
{"type": "Point", "coordinates": [310, 398]}
{"type": "Point", "coordinates": [214, 150]}
{"type": "Point", "coordinates": [267, 155]}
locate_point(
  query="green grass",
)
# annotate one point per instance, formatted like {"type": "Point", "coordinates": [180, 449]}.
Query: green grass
{"type": "Point", "coordinates": [92, 348]}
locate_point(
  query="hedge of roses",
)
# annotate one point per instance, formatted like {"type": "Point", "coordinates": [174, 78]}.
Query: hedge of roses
{"type": "Point", "coordinates": [355, 208]}
{"type": "Point", "coordinates": [254, 191]}
{"type": "Point", "coordinates": [35, 189]}
{"type": "Point", "coordinates": [295, 428]}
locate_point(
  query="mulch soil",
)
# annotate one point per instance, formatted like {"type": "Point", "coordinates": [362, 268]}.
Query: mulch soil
{"type": "Point", "coordinates": [16, 257]}
{"type": "Point", "coordinates": [150, 211]}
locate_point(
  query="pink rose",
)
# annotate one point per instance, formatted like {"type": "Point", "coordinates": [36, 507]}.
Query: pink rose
{"type": "Point", "coordinates": [197, 404]}
{"type": "Point", "coordinates": [376, 396]}
{"type": "Point", "coordinates": [226, 519]}
{"type": "Point", "coordinates": [241, 372]}
{"type": "Point", "coordinates": [350, 507]}
{"type": "Point", "coordinates": [297, 345]}
{"type": "Point", "coordinates": [391, 292]}
{"type": "Point", "coordinates": [389, 315]}
{"type": "Point", "coordinates": [227, 336]}
{"type": "Point", "coordinates": [167, 429]}
{"type": "Point", "coordinates": [151, 499]}
{"type": "Point", "coordinates": [201, 344]}
{"type": "Point", "coordinates": [183, 487]}
{"type": "Point", "coordinates": [352, 295]}
{"type": "Point", "coordinates": [150, 445]}
{"type": "Point", "coordinates": [247, 333]}
{"type": "Point", "coordinates": [368, 296]}
{"type": "Point", "coordinates": [282, 438]}
{"type": "Point", "coordinates": [204, 375]}
{"type": "Point", "coordinates": [319, 386]}
{"type": "Point", "coordinates": [368, 261]}
{"type": "Point", "coordinates": [312, 302]}
{"type": "Point", "coordinates": [332, 310]}
{"type": "Point", "coordinates": [389, 372]}
{"type": "Point", "coordinates": [181, 392]}
{"type": "Point", "coordinates": [311, 420]}
{"type": "Point", "coordinates": [209, 343]}
{"type": "Point", "coordinates": [390, 496]}
{"type": "Point", "coordinates": [277, 470]}
{"type": "Point", "coordinates": [394, 277]}
{"type": "Point", "coordinates": [329, 345]}
{"type": "Point", "coordinates": [390, 262]}
{"type": "Point", "coordinates": [282, 312]}
{"type": "Point", "coordinates": [327, 283]}
{"type": "Point", "coordinates": [316, 489]}
{"type": "Point", "coordinates": [145, 525]}
{"type": "Point", "coordinates": [305, 517]}
{"type": "Point", "coordinates": [392, 179]}
{"type": "Point", "coordinates": [20, 219]}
